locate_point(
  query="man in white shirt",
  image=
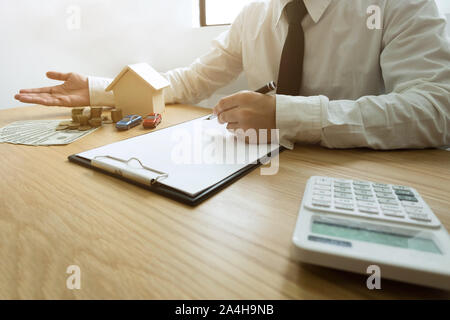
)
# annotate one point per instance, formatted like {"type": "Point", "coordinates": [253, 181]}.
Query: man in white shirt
{"type": "Point", "coordinates": [375, 73]}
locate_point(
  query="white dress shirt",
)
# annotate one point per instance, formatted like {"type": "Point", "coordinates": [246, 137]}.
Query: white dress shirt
{"type": "Point", "coordinates": [385, 88]}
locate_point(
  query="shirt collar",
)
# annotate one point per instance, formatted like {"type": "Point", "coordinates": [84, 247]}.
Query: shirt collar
{"type": "Point", "coordinates": [316, 8]}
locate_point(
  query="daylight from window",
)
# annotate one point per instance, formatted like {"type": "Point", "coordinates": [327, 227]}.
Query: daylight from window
{"type": "Point", "coordinates": [223, 12]}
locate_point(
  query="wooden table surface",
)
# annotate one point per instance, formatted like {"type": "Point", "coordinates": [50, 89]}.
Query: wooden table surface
{"type": "Point", "coordinates": [133, 244]}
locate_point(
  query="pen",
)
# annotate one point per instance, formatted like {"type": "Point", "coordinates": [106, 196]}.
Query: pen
{"type": "Point", "coordinates": [271, 86]}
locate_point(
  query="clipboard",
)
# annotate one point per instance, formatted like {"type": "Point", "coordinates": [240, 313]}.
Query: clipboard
{"type": "Point", "coordinates": [137, 172]}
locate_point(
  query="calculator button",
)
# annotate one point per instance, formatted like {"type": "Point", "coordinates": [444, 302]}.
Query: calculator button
{"type": "Point", "coordinates": [361, 187]}
{"type": "Point", "coordinates": [367, 204]}
{"type": "Point", "coordinates": [387, 201]}
{"type": "Point", "coordinates": [401, 188]}
{"type": "Point", "coordinates": [381, 190]}
{"type": "Point", "coordinates": [321, 198]}
{"type": "Point", "coordinates": [322, 193]}
{"type": "Point", "coordinates": [318, 203]}
{"type": "Point", "coordinates": [343, 201]}
{"type": "Point", "coordinates": [404, 193]}
{"type": "Point", "coordinates": [387, 198]}
{"type": "Point", "coordinates": [319, 187]}
{"type": "Point", "coordinates": [343, 195]}
{"type": "Point", "coordinates": [361, 183]}
{"type": "Point", "coordinates": [420, 217]}
{"type": "Point", "coordinates": [410, 210]}
{"type": "Point", "coordinates": [342, 185]}
{"type": "Point", "coordinates": [386, 195]}
{"type": "Point", "coordinates": [390, 207]}
{"type": "Point", "coordinates": [394, 209]}
{"type": "Point", "coordinates": [342, 181]}
{"type": "Point", "coordinates": [380, 185]}
{"type": "Point", "coordinates": [365, 198]}
{"type": "Point", "coordinates": [363, 192]}
{"type": "Point", "coordinates": [407, 198]}
{"type": "Point", "coordinates": [342, 190]}
{"type": "Point", "coordinates": [394, 213]}
{"type": "Point", "coordinates": [368, 210]}
{"type": "Point", "coordinates": [323, 181]}
{"type": "Point", "coordinates": [408, 204]}
{"type": "Point", "coordinates": [344, 206]}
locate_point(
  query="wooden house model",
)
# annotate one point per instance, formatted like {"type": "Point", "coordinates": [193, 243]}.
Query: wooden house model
{"type": "Point", "coordinates": [138, 89]}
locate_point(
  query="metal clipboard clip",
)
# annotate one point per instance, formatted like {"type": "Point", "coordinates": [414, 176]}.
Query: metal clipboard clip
{"type": "Point", "coordinates": [130, 174]}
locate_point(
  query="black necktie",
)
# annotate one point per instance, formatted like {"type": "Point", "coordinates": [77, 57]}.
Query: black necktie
{"type": "Point", "coordinates": [291, 66]}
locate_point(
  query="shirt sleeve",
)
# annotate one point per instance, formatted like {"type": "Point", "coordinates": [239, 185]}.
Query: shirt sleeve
{"type": "Point", "coordinates": [98, 95]}
{"type": "Point", "coordinates": [415, 62]}
{"type": "Point", "coordinates": [299, 119]}
{"type": "Point", "coordinates": [221, 65]}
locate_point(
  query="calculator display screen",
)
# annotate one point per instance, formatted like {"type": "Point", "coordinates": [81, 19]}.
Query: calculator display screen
{"type": "Point", "coordinates": [374, 236]}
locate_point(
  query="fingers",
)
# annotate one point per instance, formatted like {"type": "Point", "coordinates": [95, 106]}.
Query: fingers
{"type": "Point", "coordinates": [58, 76]}
{"type": "Point", "coordinates": [230, 116]}
{"type": "Point", "coordinates": [231, 102]}
{"type": "Point", "coordinates": [42, 99]}
{"type": "Point", "coordinates": [51, 75]}
{"type": "Point", "coordinates": [38, 90]}
{"type": "Point", "coordinates": [233, 126]}
{"type": "Point", "coordinates": [34, 99]}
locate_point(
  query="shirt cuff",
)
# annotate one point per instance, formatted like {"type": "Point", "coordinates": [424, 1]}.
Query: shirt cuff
{"type": "Point", "coordinates": [169, 94]}
{"type": "Point", "coordinates": [299, 119]}
{"type": "Point", "coordinates": [98, 95]}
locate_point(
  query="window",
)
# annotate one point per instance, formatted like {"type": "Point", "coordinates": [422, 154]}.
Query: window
{"type": "Point", "coordinates": [219, 12]}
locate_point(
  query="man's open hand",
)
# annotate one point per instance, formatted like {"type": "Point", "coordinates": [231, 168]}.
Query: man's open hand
{"type": "Point", "coordinates": [74, 92]}
{"type": "Point", "coordinates": [247, 110]}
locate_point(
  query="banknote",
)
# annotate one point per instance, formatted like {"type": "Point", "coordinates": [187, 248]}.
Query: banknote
{"type": "Point", "coordinates": [39, 133]}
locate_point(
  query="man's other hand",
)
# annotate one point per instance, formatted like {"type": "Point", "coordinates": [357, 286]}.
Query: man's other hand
{"type": "Point", "coordinates": [247, 110]}
{"type": "Point", "coordinates": [74, 92]}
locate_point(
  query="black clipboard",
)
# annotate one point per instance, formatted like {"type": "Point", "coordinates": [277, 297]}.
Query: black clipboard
{"type": "Point", "coordinates": [175, 194]}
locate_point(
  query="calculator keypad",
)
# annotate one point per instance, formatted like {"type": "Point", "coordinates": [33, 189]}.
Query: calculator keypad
{"type": "Point", "coordinates": [375, 200]}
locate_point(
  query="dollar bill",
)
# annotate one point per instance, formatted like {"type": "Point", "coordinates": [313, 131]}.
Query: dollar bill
{"type": "Point", "coordinates": [39, 133]}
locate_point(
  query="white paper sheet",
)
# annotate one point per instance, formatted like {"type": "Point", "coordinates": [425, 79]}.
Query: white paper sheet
{"type": "Point", "coordinates": [196, 155]}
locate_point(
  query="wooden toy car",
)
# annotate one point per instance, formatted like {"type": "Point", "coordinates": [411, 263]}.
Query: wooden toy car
{"type": "Point", "coordinates": [129, 122]}
{"type": "Point", "coordinates": [152, 120]}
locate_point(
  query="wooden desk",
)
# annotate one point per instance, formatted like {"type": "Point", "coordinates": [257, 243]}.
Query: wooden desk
{"type": "Point", "coordinates": [131, 243]}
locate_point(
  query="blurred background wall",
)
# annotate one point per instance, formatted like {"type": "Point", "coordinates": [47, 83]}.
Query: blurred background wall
{"type": "Point", "coordinates": [40, 35]}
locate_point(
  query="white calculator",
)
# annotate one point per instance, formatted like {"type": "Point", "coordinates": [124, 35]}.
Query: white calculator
{"type": "Point", "coordinates": [351, 225]}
